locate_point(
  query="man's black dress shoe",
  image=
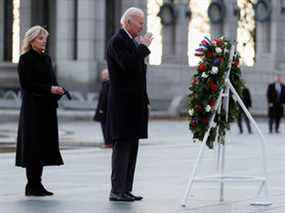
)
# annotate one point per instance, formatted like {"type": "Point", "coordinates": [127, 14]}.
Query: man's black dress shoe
{"type": "Point", "coordinates": [120, 197]}
{"type": "Point", "coordinates": [48, 193]}
{"type": "Point", "coordinates": [134, 196]}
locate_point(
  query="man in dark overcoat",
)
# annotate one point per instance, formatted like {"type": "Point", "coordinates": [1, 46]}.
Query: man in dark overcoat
{"type": "Point", "coordinates": [275, 99]}
{"type": "Point", "coordinates": [101, 113]}
{"type": "Point", "coordinates": [128, 100]}
{"type": "Point", "coordinates": [246, 98]}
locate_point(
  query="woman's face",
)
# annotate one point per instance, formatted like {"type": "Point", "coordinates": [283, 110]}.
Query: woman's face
{"type": "Point", "coordinates": [39, 43]}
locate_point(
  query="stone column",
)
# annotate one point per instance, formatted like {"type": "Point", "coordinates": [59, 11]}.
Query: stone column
{"type": "Point", "coordinates": [231, 20]}
{"type": "Point", "coordinates": [100, 31]}
{"type": "Point", "coordinates": [181, 32]}
{"type": "Point", "coordinates": [175, 37]}
{"type": "Point", "coordinates": [263, 40]}
{"type": "Point", "coordinates": [168, 43]}
{"type": "Point", "coordinates": [263, 43]}
{"type": "Point", "coordinates": [1, 30]}
{"type": "Point", "coordinates": [64, 30]}
{"type": "Point", "coordinates": [78, 53]}
{"type": "Point", "coordinates": [216, 28]}
{"type": "Point", "coordinates": [278, 36]}
{"type": "Point", "coordinates": [142, 4]}
{"type": "Point", "coordinates": [66, 64]}
{"type": "Point", "coordinates": [25, 17]}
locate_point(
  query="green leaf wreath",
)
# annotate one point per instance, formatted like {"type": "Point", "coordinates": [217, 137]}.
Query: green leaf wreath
{"type": "Point", "coordinates": [207, 83]}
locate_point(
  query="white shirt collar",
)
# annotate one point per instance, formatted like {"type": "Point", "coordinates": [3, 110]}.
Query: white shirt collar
{"type": "Point", "coordinates": [128, 33]}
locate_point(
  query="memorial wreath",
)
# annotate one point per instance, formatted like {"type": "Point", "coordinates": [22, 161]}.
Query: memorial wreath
{"type": "Point", "coordinates": [207, 84]}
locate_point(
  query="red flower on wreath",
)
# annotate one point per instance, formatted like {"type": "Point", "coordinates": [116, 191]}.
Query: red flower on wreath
{"type": "Point", "coordinates": [212, 103]}
{"type": "Point", "coordinates": [195, 81]}
{"type": "Point", "coordinates": [213, 86]}
{"type": "Point", "coordinates": [202, 68]}
{"type": "Point", "coordinates": [205, 120]}
{"type": "Point", "coordinates": [193, 125]}
{"type": "Point", "coordinates": [235, 63]}
{"type": "Point", "coordinates": [210, 54]}
{"type": "Point", "coordinates": [222, 59]}
{"type": "Point", "coordinates": [198, 108]}
{"type": "Point", "coordinates": [218, 42]}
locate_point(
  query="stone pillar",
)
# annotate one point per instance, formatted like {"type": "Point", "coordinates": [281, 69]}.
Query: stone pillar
{"type": "Point", "coordinates": [1, 30]}
{"type": "Point", "coordinates": [175, 37]}
{"type": "Point", "coordinates": [278, 36]}
{"type": "Point", "coordinates": [25, 17]}
{"type": "Point", "coordinates": [79, 51]}
{"type": "Point", "coordinates": [142, 4]}
{"type": "Point", "coordinates": [64, 31]}
{"type": "Point", "coordinates": [216, 28]}
{"type": "Point", "coordinates": [181, 32]}
{"type": "Point", "coordinates": [168, 43]}
{"type": "Point", "coordinates": [100, 32]}
{"type": "Point", "coordinates": [231, 20]}
{"type": "Point", "coordinates": [263, 34]}
{"type": "Point", "coordinates": [66, 63]}
{"type": "Point", "coordinates": [263, 42]}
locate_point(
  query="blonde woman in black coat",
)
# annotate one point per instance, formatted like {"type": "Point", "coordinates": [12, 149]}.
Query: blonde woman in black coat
{"type": "Point", "coordinates": [37, 142]}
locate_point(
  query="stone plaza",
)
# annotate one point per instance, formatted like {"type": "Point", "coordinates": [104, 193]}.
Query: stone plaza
{"type": "Point", "coordinates": [165, 161]}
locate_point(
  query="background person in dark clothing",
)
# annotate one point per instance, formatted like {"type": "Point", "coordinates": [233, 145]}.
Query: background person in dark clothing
{"type": "Point", "coordinates": [246, 98]}
{"type": "Point", "coordinates": [37, 141]}
{"type": "Point", "coordinates": [101, 113]}
{"type": "Point", "coordinates": [128, 100]}
{"type": "Point", "coordinates": [275, 99]}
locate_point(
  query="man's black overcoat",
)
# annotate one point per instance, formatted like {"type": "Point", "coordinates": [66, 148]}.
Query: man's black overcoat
{"type": "Point", "coordinates": [277, 101]}
{"type": "Point", "coordinates": [101, 110]}
{"type": "Point", "coordinates": [37, 140]}
{"type": "Point", "coordinates": [128, 92]}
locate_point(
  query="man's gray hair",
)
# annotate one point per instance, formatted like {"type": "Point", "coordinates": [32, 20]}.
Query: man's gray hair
{"type": "Point", "coordinates": [132, 11]}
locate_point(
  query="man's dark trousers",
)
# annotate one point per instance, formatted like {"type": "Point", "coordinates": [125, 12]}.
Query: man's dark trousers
{"type": "Point", "coordinates": [124, 159]}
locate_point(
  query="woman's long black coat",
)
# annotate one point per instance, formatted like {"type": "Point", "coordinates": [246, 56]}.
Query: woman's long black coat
{"type": "Point", "coordinates": [37, 141]}
{"type": "Point", "coordinates": [128, 92]}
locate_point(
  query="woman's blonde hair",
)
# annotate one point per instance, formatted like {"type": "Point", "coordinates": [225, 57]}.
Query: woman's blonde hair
{"type": "Point", "coordinates": [30, 35]}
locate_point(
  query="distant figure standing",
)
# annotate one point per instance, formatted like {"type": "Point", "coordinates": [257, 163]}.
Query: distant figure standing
{"type": "Point", "coordinates": [37, 141]}
{"type": "Point", "coordinates": [246, 98]}
{"type": "Point", "coordinates": [275, 99]}
{"type": "Point", "coordinates": [101, 113]}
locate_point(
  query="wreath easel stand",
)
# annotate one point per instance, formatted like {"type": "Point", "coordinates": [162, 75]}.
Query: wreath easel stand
{"type": "Point", "coordinates": [220, 177]}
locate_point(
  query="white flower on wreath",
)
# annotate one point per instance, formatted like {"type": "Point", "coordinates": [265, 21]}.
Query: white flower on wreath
{"type": "Point", "coordinates": [214, 70]}
{"type": "Point", "coordinates": [226, 50]}
{"type": "Point", "coordinates": [218, 50]}
{"type": "Point", "coordinates": [204, 75]}
{"type": "Point", "coordinates": [191, 112]}
{"type": "Point", "coordinates": [196, 140]}
{"type": "Point", "coordinates": [208, 108]}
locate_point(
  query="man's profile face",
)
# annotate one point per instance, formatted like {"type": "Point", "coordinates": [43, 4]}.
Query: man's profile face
{"type": "Point", "coordinates": [135, 25]}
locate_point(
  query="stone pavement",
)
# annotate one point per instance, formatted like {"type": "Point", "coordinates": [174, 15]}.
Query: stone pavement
{"type": "Point", "coordinates": [165, 161]}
